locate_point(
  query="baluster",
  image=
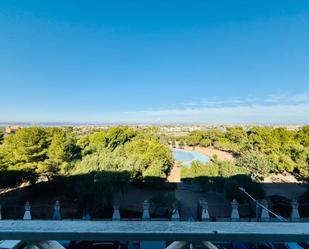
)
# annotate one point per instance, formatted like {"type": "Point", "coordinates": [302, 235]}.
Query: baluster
{"type": "Point", "coordinates": [295, 214]}
{"type": "Point", "coordinates": [234, 213]}
{"type": "Point", "coordinates": [27, 214]}
{"type": "Point", "coordinates": [199, 208]}
{"type": "Point", "coordinates": [86, 216]}
{"type": "Point", "coordinates": [57, 214]}
{"type": "Point", "coordinates": [146, 215]}
{"type": "Point", "coordinates": [175, 213]}
{"type": "Point", "coordinates": [205, 213]}
{"type": "Point", "coordinates": [265, 214]}
{"type": "Point", "coordinates": [116, 213]}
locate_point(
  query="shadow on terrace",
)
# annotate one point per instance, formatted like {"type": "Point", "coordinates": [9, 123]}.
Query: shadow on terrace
{"type": "Point", "coordinates": [96, 193]}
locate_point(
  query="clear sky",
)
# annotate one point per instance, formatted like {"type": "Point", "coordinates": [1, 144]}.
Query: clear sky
{"type": "Point", "coordinates": [206, 61]}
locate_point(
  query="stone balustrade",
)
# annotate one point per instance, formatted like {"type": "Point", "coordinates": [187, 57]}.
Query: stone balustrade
{"type": "Point", "coordinates": [203, 213]}
{"type": "Point", "coordinates": [45, 233]}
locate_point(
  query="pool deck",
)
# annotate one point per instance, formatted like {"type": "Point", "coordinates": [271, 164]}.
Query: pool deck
{"type": "Point", "coordinates": [210, 152]}
{"type": "Point", "coordinates": [186, 157]}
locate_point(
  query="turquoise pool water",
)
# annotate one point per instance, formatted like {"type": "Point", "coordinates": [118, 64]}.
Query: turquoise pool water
{"type": "Point", "coordinates": [186, 157]}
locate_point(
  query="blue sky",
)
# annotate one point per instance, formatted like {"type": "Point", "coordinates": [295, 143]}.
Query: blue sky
{"type": "Point", "coordinates": [155, 61]}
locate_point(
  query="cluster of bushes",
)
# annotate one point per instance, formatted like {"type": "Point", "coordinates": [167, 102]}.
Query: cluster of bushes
{"type": "Point", "coordinates": [124, 149]}
{"type": "Point", "coordinates": [262, 150]}
{"type": "Point", "coordinates": [224, 177]}
{"type": "Point", "coordinates": [259, 152]}
{"type": "Point", "coordinates": [13, 178]}
{"type": "Point", "coordinates": [233, 139]}
{"type": "Point", "coordinates": [40, 150]}
{"type": "Point", "coordinates": [60, 151]}
{"type": "Point", "coordinates": [212, 169]}
{"type": "Point", "coordinates": [88, 189]}
{"type": "Point", "coordinates": [1, 136]}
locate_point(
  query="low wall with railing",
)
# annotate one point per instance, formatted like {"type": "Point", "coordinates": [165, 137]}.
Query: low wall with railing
{"type": "Point", "coordinates": [55, 212]}
{"type": "Point", "coordinates": [45, 233]}
{"type": "Point", "coordinates": [153, 230]}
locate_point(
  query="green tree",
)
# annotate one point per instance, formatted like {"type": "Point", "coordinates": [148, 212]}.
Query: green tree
{"type": "Point", "coordinates": [181, 144]}
{"type": "Point", "coordinates": [59, 148]}
{"type": "Point", "coordinates": [61, 151]}
{"type": "Point", "coordinates": [102, 160]}
{"type": "Point", "coordinates": [258, 164]}
{"type": "Point", "coordinates": [235, 140]}
{"type": "Point", "coordinates": [278, 149]}
{"type": "Point", "coordinates": [225, 145]}
{"type": "Point", "coordinates": [263, 140]}
{"type": "Point", "coordinates": [227, 169]}
{"type": "Point", "coordinates": [141, 158]}
{"type": "Point", "coordinates": [236, 135]}
{"type": "Point", "coordinates": [214, 135]}
{"type": "Point", "coordinates": [284, 136]}
{"type": "Point", "coordinates": [26, 148]}
{"type": "Point", "coordinates": [205, 142]}
{"type": "Point", "coordinates": [149, 153]}
{"type": "Point", "coordinates": [303, 136]}
{"type": "Point", "coordinates": [194, 138]}
{"type": "Point", "coordinates": [173, 143]}
{"type": "Point", "coordinates": [283, 162]}
{"type": "Point", "coordinates": [119, 136]}
{"type": "Point", "coordinates": [1, 136]}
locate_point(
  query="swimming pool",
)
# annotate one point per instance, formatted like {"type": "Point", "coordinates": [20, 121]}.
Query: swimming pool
{"type": "Point", "coordinates": [186, 157]}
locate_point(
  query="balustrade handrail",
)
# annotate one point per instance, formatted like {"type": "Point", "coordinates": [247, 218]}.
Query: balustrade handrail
{"type": "Point", "coordinates": [33, 230]}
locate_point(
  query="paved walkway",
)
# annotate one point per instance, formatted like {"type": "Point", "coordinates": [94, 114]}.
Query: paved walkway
{"type": "Point", "coordinates": [188, 196]}
{"type": "Point", "coordinates": [174, 175]}
{"type": "Point", "coordinates": [185, 195]}
{"type": "Point", "coordinates": [188, 202]}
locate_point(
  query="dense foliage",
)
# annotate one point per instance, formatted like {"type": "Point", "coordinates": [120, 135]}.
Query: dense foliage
{"type": "Point", "coordinates": [39, 150]}
{"type": "Point", "coordinates": [262, 150]}
{"type": "Point", "coordinates": [60, 151]}
{"type": "Point", "coordinates": [1, 136]}
{"type": "Point", "coordinates": [113, 156]}
{"type": "Point", "coordinates": [222, 176]}
{"type": "Point", "coordinates": [212, 169]}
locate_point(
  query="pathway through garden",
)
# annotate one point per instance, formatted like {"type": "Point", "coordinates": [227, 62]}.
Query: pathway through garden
{"type": "Point", "coordinates": [185, 194]}
{"type": "Point", "coordinates": [174, 176]}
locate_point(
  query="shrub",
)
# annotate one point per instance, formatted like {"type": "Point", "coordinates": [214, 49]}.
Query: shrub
{"type": "Point", "coordinates": [256, 163]}
{"type": "Point", "coordinates": [13, 178]}
{"type": "Point", "coordinates": [232, 184]}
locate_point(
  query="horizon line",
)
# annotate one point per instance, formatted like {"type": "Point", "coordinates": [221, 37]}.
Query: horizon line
{"type": "Point", "coordinates": [98, 123]}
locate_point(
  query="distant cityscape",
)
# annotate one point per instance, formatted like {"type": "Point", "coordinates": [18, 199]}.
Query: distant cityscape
{"type": "Point", "coordinates": [175, 129]}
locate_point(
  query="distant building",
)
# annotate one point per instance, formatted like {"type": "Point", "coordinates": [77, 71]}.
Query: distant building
{"type": "Point", "coordinates": [11, 129]}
